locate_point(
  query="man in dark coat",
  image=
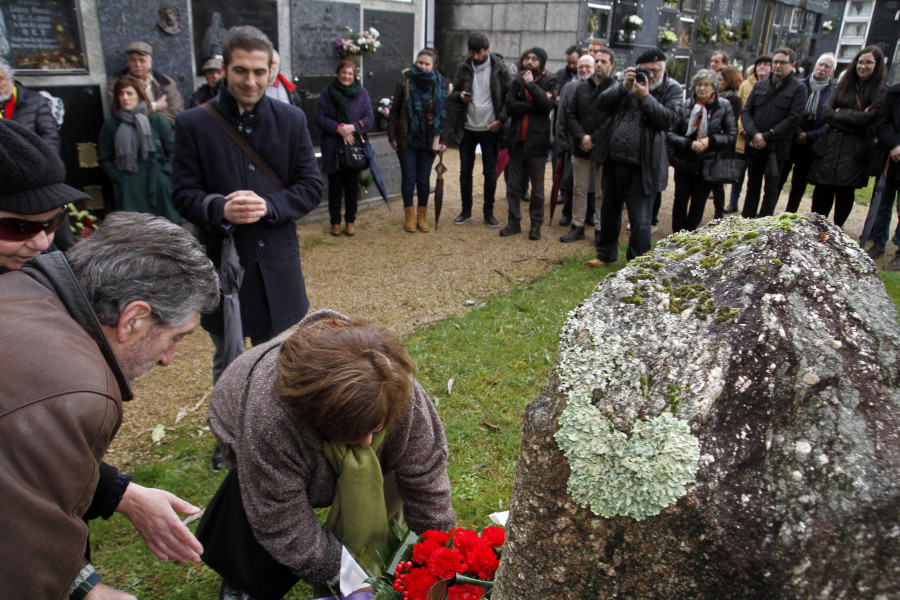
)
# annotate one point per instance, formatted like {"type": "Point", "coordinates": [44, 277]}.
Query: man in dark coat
{"type": "Point", "coordinates": [220, 189]}
{"type": "Point", "coordinates": [812, 125]}
{"type": "Point", "coordinates": [26, 107]}
{"type": "Point", "coordinates": [887, 126]}
{"type": "Point", "coordinates": [212, 70]}
{"type": "Point", "coordinates": [771, 114]}
{"type": "Point", "coordinates": [633, 153]}
{"type": "Point", "coordinates": [476, 108]}
{"type": "Point", "coordinates": [529, 102]}
{"type": "Point", "coordinates": [584, 126]}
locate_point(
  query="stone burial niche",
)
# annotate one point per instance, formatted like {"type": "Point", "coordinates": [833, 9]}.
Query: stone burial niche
{"type": "Point", "coordinates": [721, 423]}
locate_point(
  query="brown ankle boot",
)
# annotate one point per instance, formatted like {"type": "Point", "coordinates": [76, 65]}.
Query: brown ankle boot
{"type": "Point", "coordinates": [421, 221]}
{"type": "Point", "coordinates": [410, 213]}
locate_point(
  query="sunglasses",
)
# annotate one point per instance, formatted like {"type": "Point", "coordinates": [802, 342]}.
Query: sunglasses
{"type": "Point", "coordinates": [13, 229]}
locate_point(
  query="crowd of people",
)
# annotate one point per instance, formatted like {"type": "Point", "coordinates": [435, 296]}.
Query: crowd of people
{"type": "Point", "coordinates": [328, 413]}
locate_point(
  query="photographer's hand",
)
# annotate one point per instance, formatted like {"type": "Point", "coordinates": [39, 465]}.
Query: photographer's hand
{"type": "Point", "coordinates": [641, 88]}
{"type": "Point", "coordinates": [629, 78]}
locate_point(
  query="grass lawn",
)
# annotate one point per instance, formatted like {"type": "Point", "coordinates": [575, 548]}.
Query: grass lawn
{"type": "Point", "coordinates": [497, 356]}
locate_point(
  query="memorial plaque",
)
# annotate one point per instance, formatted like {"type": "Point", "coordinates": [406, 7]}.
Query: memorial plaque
{"type": "Point", "coordinates": [316, 27]}
{"type": "Point", "coordinates": [308, 88]}
{"type": "Point", "coordinates": [42, 35]}
{"type": "Point", "coordinates": [213, 18]}
{"type": "Point", "coordinates": [382, 69]}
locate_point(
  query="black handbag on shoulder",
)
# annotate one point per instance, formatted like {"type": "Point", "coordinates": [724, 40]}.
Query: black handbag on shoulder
{"type": "Point", "coordinates": [231, 549]}
{"type": "Point", "coordinates": [352, 157]}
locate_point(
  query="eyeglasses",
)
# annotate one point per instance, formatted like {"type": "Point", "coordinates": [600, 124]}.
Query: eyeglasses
{"type": "Point", "coordinates": [781, 62]}
{"type": "Point", "coordinates": [868, 63]}
{"type": "Point", "coordinates": [703, 84]}
{"type": "Point", "coordinates": [13, 229]}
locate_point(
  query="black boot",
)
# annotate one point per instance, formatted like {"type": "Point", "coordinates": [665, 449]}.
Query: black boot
{"type": "Point", "coordinates": [510, 229]}
{"type": "Point", "coordinates": [217, 463]}
{"type": "Point", "coordinates": [575, 233]}
{"type": "Point", "coordinates": [535, 232]}
{"type": "Point", "coordinates": [229, 592]}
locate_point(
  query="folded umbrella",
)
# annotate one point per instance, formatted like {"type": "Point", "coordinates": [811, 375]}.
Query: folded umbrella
{"type": "Point", "coordinates": [554, 191]}
{"type": "Point", "coordinates": [231, 275]}
{"type": "Point", "coordinates": [439, 189]}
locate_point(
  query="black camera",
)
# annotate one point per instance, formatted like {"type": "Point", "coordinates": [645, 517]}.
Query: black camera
{"type": "Point", "coordinates": [642, 75]}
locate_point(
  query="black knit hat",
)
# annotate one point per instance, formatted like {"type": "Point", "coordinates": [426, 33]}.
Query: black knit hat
{"type": "Point", "coordinates": [540, 53]}
{"type": "Point", "coordinates": [31, 174]}
{"type": "Point", "coordinates": [651, 55]}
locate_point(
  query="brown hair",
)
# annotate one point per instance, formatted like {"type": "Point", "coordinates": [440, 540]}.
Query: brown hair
{"type": "Point", "coordinates": [344, 379]}
{"type": "Point", "coordinates": [732, 78]}
{"type": "Point", "coordinates": [347, 63]}
{"type": "Point", "coordinates": [130, 80]}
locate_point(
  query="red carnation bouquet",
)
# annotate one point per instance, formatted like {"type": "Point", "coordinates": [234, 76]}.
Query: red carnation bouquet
{"type": "Point", "coordinates": [455, 565]}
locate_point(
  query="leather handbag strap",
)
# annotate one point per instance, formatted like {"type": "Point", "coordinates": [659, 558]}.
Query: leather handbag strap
{"type": "Point", "coordinates": [252, 154]}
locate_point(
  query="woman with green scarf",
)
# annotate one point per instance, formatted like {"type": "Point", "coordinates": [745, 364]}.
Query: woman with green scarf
{"type": "Point", "coordinates": [330, 415]}
{"type": "Point", "coordinates": [344, 112]}
{"type": "Point", "coordinates": [415, 124]}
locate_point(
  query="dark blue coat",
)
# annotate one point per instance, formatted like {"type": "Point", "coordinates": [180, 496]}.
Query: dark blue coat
{"type": "Point", "coordinates": [208, 165]}
{"type": "Point", "coordinates": [361, 116]}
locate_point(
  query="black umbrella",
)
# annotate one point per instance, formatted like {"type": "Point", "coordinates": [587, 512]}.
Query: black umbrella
{"type": "Point", "coordinates": [231, 274]}
{"type": "Point", "coordinates": [439, 189]}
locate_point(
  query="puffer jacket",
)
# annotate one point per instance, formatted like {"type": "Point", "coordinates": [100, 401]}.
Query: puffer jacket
{"type": "Point", "coordinates": [33, 111]}
{"type": "Point", "coordinates": [457, 110]}
{"type": "Point", "coordinates": [55, 425]}
{"type": "Point", "coordinates": [837, 152]}
{"type": "Point", "coordinates": [887, 126]}
{"type": "Point", "coordinates": [659, 111]}
{"type": "Point", "coordinates": [722, 131]}
{"type": "Point", "coordinates": [538, 109]}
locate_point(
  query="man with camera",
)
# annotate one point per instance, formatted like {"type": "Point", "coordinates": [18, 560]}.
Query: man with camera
{"type": "Point", "coordinates": [644, 106]}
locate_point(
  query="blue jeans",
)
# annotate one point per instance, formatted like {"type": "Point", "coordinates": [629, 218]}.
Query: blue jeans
{"type": "Point", "coordinates": [415, 174]}
{"type": "Point", "coordinates": [622, 185]}
{"type": "Point", "coordinates": [488, 141]}
{"type": "Point", "coordinates": [882, 227]}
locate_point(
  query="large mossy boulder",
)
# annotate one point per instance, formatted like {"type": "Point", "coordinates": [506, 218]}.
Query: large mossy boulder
{"type": "Point", "coordinates": [721, 423]}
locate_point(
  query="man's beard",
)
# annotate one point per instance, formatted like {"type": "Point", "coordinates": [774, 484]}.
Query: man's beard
{"type": "Point", "coordinates": [658, 82]}
{"type": "Point", "coordinates": [4, 98]}
{"type": "Point", "coordinates": [584, 77]}
{"type": "Point", "coordinates": [480, 62]}
{"type": "Point", "coordinates": [137, 360]}
{"type": "Point", "coordinates": [536, 73]}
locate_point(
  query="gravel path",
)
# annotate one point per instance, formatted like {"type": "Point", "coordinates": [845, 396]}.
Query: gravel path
{"type": "Point", "coordinates": [398, 279]}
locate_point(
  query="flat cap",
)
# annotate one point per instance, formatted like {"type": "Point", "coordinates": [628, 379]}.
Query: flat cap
{"type": "Point", "coordinates": [142, 47]}
{"type": "Point", "coordinates": [212, 63]}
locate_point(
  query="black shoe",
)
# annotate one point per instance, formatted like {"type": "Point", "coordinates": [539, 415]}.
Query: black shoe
{"type": "Point", "coordinates": [565, 221]}
{"type": "Point", "coordinates": [510, 229]}
{"type": "Point", "coordinates": [535, 233]}
{"type": "Point", "coordinates": [875, 251]}
{"type": "Point", "coordinates": [491, 221]}
{"type": "Point", "coordinates": [575, 233]}
{"type": "Point", "coordinates": [462, 218]}
{"type": "Point", "coordinates": [217, 463]}
{"type": "Point", "coordinates": [731, 208]}
{"type": "Point", "coordinates": [229, 592]}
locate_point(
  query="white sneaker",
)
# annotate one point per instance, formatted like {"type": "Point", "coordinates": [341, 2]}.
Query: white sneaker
{"type": "Point", "coordinates": [653, 229]}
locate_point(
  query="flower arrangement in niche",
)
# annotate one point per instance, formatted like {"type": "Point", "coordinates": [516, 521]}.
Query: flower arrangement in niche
{"type": "Point", "coordinates": [827, 26]}
{"type": "Point", "coordinates": [461, 563]}
{"type": "Point", "coordinates": [667, 36]}
{"type": "Point", "coordinates": [704, 32]}
{"type": "Point", "coordinates": [81, 221]}
{"type": "Point", "coordinates": [366, 42]}
{"type": "Point", "coordinates": [384, 107]}
{"type": "Point", "coordinates": [634, 23]}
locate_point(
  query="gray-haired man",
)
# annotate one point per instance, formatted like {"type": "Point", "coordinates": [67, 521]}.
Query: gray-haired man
{"type": "Point", "coordinates": [76, 330]}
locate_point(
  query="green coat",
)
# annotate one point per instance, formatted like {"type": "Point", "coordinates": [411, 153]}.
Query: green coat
{"type": "Point", "coordinates": [149, 190]}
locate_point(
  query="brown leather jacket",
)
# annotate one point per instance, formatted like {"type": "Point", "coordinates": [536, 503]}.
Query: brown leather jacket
{"type": "Point", "coordinates": [60, 406]}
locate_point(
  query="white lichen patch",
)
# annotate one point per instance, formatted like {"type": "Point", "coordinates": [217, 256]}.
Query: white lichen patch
{"type": "Point", "coordinates": [615, 474]}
